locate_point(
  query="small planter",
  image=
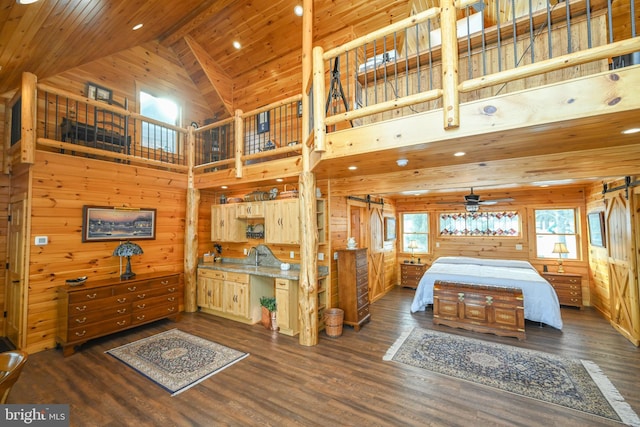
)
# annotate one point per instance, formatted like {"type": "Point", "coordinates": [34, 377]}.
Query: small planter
{"type": "Point", "coordinates": [266, 317]}
{"type": "Point", "coordinates": [269, 313]}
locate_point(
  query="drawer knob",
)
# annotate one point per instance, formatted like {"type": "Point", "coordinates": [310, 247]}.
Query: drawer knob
{"type": "Point", "coordinates": [124, 322]}
{"type": "Point", "coordinates": [132, 288]}
{"type": "Point", "coordinates": [140, 317]}
{"type": "Point", "coordinates": [122, 300]}
{"type": "Point", "coordinates": [83, 308]}
{"type": "Point", "coordinates": [142, 306]}
{"type": "Point", "coordinates": [84, 319]}
{"type": "Point", "coordinates": [122, 311]}
{"type": "Point", "coordinates": [92, 296]}
{"type": "Point", "coordinates": [165, 282]}
{"type": "Point", "coordinates": [81, 334]}
{"type": "Point", "coordinates": [141, 296]}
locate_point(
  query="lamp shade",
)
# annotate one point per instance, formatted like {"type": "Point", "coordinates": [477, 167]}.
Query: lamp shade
{"type": "Point", "coordinates": [127, 249]}
{"type": "Point", "coordinates": [413, 244]}
{"type": "Point", "coordinates": [472, 207]}
{"type": "Point", "coordinates": [560, 248]}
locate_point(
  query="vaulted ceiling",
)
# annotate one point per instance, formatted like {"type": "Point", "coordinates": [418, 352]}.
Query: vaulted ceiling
{"type": "Point", "coordinates": [52, 36]}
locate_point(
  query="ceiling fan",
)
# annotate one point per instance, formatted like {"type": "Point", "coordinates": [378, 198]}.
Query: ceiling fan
{"type": "Point", "coordinates": [472, 202]}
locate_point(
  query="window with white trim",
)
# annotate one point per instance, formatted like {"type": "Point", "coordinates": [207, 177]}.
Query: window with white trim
{"type": "Point", "coordinates": [556, 226]}
{"type": "Point", "coordinates": [415, 228]}
{"type": "Point", "coordinates": [156, 136]}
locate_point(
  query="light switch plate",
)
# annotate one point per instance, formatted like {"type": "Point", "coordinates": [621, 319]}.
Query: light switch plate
{"type": "Point", "coordinates": [41, 240]}
{"type": "Point", "coordinates": [292, 254]}
{"type": "Point", "coordinates": [320, 256]}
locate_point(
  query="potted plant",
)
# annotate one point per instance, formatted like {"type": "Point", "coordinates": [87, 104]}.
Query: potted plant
{"type": "Point", "coordinates": [269, 312]}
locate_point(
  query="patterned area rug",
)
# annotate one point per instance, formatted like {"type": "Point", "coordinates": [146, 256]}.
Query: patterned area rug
{"type": "Point", "coordinates": [177, 360]}
{"type": "Point", "coordinates": [576, 384]}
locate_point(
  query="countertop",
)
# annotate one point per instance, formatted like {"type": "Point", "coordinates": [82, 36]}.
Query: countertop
{"type": "Point", "coordinates": [265, 271]}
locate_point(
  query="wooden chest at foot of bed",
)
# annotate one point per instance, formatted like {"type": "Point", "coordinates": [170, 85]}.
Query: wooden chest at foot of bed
{"type": "Point", "coordinates": [480, 308]}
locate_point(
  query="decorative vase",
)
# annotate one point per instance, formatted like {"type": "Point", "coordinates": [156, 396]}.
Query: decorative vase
{"type": "Point", "coordinates": [274, 320]}
{"type": "Point", "coordinates": [266, 317]}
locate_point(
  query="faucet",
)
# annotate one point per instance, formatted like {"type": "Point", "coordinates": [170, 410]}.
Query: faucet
{"type": "Point", "coordinates": [255, 249]}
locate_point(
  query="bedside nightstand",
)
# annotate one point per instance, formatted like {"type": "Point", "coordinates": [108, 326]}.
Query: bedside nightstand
{"type": "Point", "coordinates": [410, 274]}
{"type": "Point", "coordinates": [567, 286]}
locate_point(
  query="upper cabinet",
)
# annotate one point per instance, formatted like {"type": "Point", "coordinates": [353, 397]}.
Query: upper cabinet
{"type": "Point", "coordinates": [282, 222]}
{"type": "Point", "coordinates": [225, 226]}
{"type": "Point", "coordinates": [250, 210]}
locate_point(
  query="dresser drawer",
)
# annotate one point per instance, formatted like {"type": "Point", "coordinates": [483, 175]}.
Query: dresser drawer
{"type": "Point", "coordinates": [90, 295]}
{"type": "Point", "coordinates": [96, 316]}
{"type": "Point", "coordinates": [154, 312]}
{"type": "Point", "coordinates": [85, 332]}
{"type": "Point", "coordinates": [87, 306]}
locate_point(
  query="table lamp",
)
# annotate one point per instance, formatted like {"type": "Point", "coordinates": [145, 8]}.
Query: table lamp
{"type": "Point", "coordinates": [127, 249]}
{"type": "Point", "coordinates": [560, 248]}
{"type": "Point", "coordinates": [413, 245]}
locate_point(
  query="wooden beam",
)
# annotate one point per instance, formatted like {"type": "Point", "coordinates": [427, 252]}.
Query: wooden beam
{"type": "Point", "coordinates": [29, 118]}
{"type": "Point", "coordinates": [450, 95]}
{"type": "Point", "coordinates": [222, 84]}
{"type": "Point", "coordinates": [239, 142]}
{"type": "Point", "coordinates": [191, 231]}
{"type": "Point", "coordinates": [319, 96]}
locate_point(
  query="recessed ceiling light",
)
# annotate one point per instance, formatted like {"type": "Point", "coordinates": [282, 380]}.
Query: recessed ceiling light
{"type": "Point", "coordinates": [279, 179]}
{"type": "Point", "coordinates": [137, 27]}
{"type": "Point", "coordinates": [402, 162]}
{"type": "Point", "coordinates": [298, 10]}
{"type": "Point", "coordinates": [224, 187]}
{"type": "Point", "coordinates": [352, 168]}
{"type": "Point", "coordinates": [630, 131]}
{"type": "Point", "coordinates": [236, 44]}
{"type": "Point", "coordinates": [26, 1]}
{"type": "Point", "coordinates": [459, 154]}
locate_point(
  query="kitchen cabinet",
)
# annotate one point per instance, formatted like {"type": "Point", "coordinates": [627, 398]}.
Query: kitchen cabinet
{"type": "Point", "coordinates": [287, 306]}
{"type": "Point", "coordinates": [282, 222]}
{"type": "Point", "coordinates": [250, 210]}
{"type": "Point", "coordinates": [225, 226]}
{"type": "Point", "coordinates": [209, 291]}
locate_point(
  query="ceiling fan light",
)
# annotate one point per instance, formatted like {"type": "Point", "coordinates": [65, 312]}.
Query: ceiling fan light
{"type": "Point", "coordinates": [472, 208]}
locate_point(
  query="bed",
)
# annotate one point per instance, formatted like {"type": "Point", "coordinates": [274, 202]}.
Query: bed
{"type": "Point", "coordinates": [540, 299]}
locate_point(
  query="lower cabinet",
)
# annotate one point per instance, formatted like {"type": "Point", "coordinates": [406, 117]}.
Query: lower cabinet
{"type": "Point", "coordinates": [103, 307]}
{"type": "Point", "coordinates": [287, 306]}
{"type": "Point", "coordinates": [234, 296]}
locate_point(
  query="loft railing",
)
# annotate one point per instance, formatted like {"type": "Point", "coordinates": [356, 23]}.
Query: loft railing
{"type": "Point", "coordinates": [445, 56]}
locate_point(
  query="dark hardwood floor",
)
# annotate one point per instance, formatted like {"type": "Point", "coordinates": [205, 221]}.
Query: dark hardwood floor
{"type": "Point", "coordinates": [342, 381]}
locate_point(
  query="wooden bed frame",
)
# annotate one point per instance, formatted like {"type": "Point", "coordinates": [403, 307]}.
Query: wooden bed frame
{"type": "Point", "coordinates": [480, 308]}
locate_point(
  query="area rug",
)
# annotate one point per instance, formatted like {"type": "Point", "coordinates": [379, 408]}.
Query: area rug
{"type": "Point", "coordinates": [177, 360]}
{"type": "Point", "coordinates": [575, 384]}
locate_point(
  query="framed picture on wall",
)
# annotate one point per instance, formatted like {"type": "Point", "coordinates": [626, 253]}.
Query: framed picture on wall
{"type": "Point", "coordinates": [99, 93]}
{"type": "Point", "coordinates": [389, 228]}
{"type": "Point", "coordinates": [596, 229]}
{"type": "Point", "coordinates": [104, 223]}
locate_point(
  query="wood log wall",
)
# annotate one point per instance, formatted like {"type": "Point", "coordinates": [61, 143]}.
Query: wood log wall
{"type": "Point", "coordinates": [61, 186]}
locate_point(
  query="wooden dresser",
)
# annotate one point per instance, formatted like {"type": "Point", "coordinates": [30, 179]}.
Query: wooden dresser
{"type": "Point", "coordinates": [480, 308]}
{"type": "Point", "coordinates": [353, 286]}
{"type": "Point", "coordinates": [567, 286]}
{"type": "Point", "coordinates": [410, 274]}
{"type": "Point", "coordinates": [106, 306]}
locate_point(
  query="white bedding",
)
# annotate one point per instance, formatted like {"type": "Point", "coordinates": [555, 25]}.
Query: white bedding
{"type": "Point", "coordinates": [540, 299]}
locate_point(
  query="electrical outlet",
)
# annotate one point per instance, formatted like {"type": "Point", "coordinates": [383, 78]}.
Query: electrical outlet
{"type": "Point", "coordinates": [437, 244]}
{"type": "Point", "coordinates": [41, 240]}
{"type": "Point", "coordinates": [246, 251]}
{"type": "Point", "coordinates": [320, 256]}
{"type": "Point", "coordinates": [518, 247]}
{"type": "Point", "coordinates": [292, 254]}
{"type": "Point", "coordinates": [335, 256]}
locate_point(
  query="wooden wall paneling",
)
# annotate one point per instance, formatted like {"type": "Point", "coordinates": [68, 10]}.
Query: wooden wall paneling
{"type": "Point", "coordinates": [68, 183]}
{"type": "Point", "coordinates": [4, 229]}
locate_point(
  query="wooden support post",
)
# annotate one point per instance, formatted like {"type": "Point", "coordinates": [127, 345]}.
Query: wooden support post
{"type": "Point", "coordinates": [308, 282]}
{"type": "Point", "coordinates": [319, 97]}
{"type": "Point", "coordinates": [239, 141]}
{"type": "Point", "coordinates": [29, 118]}
{"type": "Point", "coordinates": [450, 95]}
{"type": "Point", "coordinates": [191, 230]}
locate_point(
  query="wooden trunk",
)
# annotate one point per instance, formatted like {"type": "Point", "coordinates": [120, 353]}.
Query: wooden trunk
{"type": "Point", "coordinates": [489, 309]}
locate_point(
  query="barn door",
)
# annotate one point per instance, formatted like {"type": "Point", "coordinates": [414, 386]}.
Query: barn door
{"type": "Point", "coordinates": [376, 253]}
{"type": "Point", "coordinates": [15, 294]}
{"type": "Point", "coordinates": [623, 291]}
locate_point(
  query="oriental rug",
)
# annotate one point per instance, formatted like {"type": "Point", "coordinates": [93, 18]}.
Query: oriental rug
{"type": "Point", "coordinates": [575, 384]}
{"type": "Point", "coordinates": [176, 360]}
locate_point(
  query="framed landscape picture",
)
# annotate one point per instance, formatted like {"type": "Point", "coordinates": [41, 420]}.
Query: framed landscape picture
{"type": "Point", "coordinates": [104, 223]}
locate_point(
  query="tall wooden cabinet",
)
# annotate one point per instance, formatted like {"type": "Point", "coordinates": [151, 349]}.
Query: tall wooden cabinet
{"type": "Point", "coordinates": [353, 286]}
{"type": "Point", "coordinates": [225, 226]}
{"type": "Point", "coordinates": [282, 222]}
